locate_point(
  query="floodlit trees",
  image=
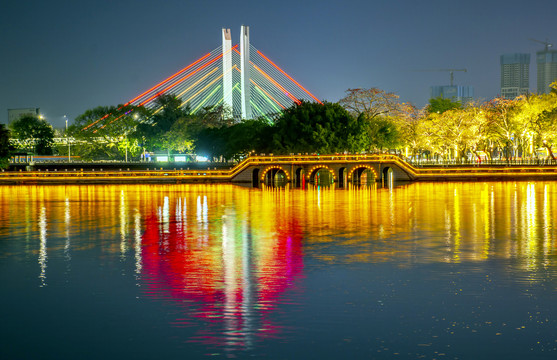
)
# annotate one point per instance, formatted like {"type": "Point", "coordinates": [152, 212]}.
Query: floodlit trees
{"type": "Point", "coordinates": [106, 132]}
{"type": "Point", "coordinates": [538, 115]}
{"type": "Point", "coordinates": [376, 109]}
{"type": "Point", "coordinates": [33, 134]}
{"type": "Point", "coordinates": [365, 120]}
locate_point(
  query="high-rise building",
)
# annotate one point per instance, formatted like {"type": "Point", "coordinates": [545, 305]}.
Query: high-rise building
{"type": "Point", "coordinates": [547, 69]}
{"type": "Point", "coordinates": [463, 94]}
{"type": "Point", "coordinates": [515, 75]}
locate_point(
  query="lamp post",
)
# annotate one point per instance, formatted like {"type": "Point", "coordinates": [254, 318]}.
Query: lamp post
{"type": "Point", "coordinates": [67, 138]}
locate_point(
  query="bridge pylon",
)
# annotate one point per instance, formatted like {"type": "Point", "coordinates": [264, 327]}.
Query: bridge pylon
{"type": "Point", "coordinates": [227, 69]}
{"type": "Point", "coordinates": [245, 68]}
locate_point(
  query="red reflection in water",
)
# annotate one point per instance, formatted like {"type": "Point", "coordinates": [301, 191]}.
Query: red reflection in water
{"type": "Point", "coordinates": [230, 278]}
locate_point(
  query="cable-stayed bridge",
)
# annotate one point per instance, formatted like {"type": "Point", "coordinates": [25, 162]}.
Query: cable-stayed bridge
{"type": "Point", "coordinates": [239, 77]}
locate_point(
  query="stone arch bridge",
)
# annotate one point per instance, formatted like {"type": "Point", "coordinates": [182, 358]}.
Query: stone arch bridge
{"type": "Point", "coordinates": [313, 169]}
{"type": "Point", "coordinates": [271, 170]}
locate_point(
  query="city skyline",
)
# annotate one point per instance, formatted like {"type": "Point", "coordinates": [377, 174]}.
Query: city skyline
{"type": "Point", "coordinates": [65, 58]}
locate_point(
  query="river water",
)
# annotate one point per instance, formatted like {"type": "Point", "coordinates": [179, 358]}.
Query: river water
{"type": "Point", "coordinates": [424, 270]}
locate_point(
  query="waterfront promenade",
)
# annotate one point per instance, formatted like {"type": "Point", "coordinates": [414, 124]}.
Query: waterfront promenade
{"type": "Point", "coordinates": [295, 169]}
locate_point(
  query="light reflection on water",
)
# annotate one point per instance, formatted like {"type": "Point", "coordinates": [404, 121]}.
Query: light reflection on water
{"type": "Point", "coordinates": [230, 258]}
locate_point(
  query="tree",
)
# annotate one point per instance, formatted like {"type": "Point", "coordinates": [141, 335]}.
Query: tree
{"type": "Point", "coordinates": [502, 122]}
{"type": "Point", "coordinates": [538, 112]}
{"type": "Point", "coordinates": [382, 133]}
{"type": "Point", "coordinates": [411, 120]}
{"type": "Point", "coordinates": [439, 105]}
{"type": "Point", "coordinates": [33, 134]}
{"type": "Point", "coordinates": [323, 128]}
{"type": "Point", "coordinates": [371, 102]}
{"type": "Point", "coordinates": [155, 132]}
{"type": "Point", "coordinates": [5, 147]}
{"type": "Point", "coordinates": [105, 132]}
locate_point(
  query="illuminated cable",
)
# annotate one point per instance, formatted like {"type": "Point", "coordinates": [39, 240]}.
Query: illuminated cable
{"type": "Point", "coordinates": [288, 76]}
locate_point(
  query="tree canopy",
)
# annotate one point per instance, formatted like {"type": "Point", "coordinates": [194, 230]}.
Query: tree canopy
{"type": "Point", "coordinates": [439, 105]}
{"type": "Point", "coordinates": [5, 147]}
{"type": "Point", "coordinates": [322, 128]}
{"type": "Point", "coordinates": [33, 134]}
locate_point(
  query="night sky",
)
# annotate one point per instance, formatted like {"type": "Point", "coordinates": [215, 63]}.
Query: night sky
{"type": "Point", "coordinates": [68, 56]}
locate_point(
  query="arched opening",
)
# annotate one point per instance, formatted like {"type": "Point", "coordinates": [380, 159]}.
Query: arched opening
{"type": "Point", "coordinates": [299, 180]}
{"type": "Point", "coordinates": [255, 178]}
{"type": "Point", "coordinates": [321, 176]}
{"type": "Point", "coordinates": [365, 176]}
{"type": "Point", "coordinates": [388, 177]}
{"type": "Point", "coordinates": [342, 177]}
{"type": "Point", "coordinates": [275, 177]}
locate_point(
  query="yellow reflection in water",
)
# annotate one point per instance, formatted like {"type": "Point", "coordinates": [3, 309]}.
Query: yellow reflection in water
{"type": "Point", "coordinates": [421, 222]}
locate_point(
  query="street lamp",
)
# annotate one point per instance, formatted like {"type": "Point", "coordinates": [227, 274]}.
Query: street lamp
{"type": "Point", "coordinates": [67, 138]}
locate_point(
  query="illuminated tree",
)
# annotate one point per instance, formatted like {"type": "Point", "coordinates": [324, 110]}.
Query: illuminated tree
{"type": "Point", "coordinates": [503, 123]}
{"type": "Point", "coordinates": [439, 105]}
{"type": "Point", "coordinates": [370, 102]}
{"type": "Point", "coordinates": [105, 132]}
{"type": "Point", "coordinates": [538, 112]}
{"type": "Point", "coordinates": [411, 121]}
{"type": "Point", "coordinates": [477, 136]}
{"type": "Point", "coordinates": [33, 134]}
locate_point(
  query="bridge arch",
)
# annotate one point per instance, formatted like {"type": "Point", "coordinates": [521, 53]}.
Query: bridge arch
{"type": "Point", "coordinates": [342, 177]}
{"type": "Point", "coordinates": [313, 171]}
{"type": "Point", "coordinates": [271, 172]}
{"type": "Point", "coordinates": [388, 176]}
{"type": "Point", "coordinates": [357, 171]}
{"type": "Point", "coordinates": [299, 177]}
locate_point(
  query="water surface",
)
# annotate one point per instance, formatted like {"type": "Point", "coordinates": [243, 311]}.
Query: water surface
{"type": "Point", "coordinates": [426, 270]}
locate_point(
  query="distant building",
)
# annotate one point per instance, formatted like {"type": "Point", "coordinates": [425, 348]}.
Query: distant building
{"type": "Point", "coordinates": [547, 69]}
{"type": "Point", "coordinates": [15, 114]}
{"type": "Point", "coordinates": [515, 75]}
{"type": "Point", "coordinates": [463, 94]}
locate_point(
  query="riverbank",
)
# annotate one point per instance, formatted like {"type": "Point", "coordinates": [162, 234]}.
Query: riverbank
{"type": "Point", "coordinates": [255, 170]}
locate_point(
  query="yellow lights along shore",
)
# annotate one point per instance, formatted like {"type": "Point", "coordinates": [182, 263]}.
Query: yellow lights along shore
{"type": "Point", "coordinates": [287, 164]}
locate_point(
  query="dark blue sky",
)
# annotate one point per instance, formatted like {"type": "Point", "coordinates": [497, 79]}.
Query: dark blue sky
{"type": "Point", "coordinates": [69, 56]}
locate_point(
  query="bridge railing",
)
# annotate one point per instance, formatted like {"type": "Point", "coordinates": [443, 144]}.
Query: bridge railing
{"type": "Point", "coordinates": [477, 163]}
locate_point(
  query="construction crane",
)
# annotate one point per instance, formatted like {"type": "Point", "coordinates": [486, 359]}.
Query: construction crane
{"type": "Point", "coordinates": [546, 43]}
{"type": "Point", "coordinates": [451, 72]}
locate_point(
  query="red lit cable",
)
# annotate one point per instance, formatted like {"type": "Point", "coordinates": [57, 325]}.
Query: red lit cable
{"type": "Point", "coordinates": [288, 76]}
{"type": "Point", "coordinates": [181, 80]}
{"type": "Point", "coordinates": [169, 78]}
{"type": "Point", "coordinates": [148, 91]}
{"type": "Point", "coordinates": [277, 84]}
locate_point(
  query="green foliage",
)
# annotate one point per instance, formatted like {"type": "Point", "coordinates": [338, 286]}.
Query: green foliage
{"type": "Point", "coordinates": [439, 105]}
{"type": "Point", "coordinates": [236, 140]}
{"type": "Point", "coordinates": [5, 148]}
{"type": "Point", "coordinates": [312, 127]}
{"type": "Point", "coordinates": [104, 132]}
{"type": "Point", "coordinates": [368, 120]}
{"type": "Point", "coordinates": [383, 133]}
{"type": "Point", "coordinates": [167, 128]}
{"type": "Point", "coordinates": [33, 134]}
